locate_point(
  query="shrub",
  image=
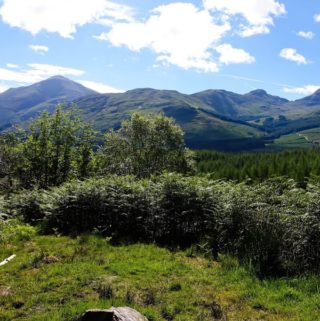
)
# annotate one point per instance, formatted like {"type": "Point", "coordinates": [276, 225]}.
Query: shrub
{"type": "Point", "coordinates": [252, 232]}
{"type": "Point", "coordinates": [29, 206]}
{"type": "Point", "coordinates": [171, 209]}
{"type": "Point", "coordinates": [301, 246]}
{"type": "Point", "coordinates": [273, 226]}
{"type": "Point", "coordinates": [185, 210]}
{"type": "Point", "coordinates": [114, 206]}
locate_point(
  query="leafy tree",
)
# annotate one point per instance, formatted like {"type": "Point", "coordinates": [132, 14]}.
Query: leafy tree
{"type": "Point", "coordinates": [86, 156]}
{"type": "Point", "coordinates": [10, 156]}
{"type": "Point", "coordinates": [145, 145]}
{"type": "Point", "coordinates": [57, 147]}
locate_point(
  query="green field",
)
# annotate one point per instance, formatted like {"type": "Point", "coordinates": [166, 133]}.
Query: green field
{"type": "Point", "coordinates": [57, 278]}
{"type": "Point", "coordinates": [312, 134]}
{"type": "Point", "coordinates": [303, 139]}
{"type": "Point", "coordinates": [290, 142]}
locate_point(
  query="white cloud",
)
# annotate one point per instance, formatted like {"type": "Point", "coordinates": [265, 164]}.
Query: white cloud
{"type": "Point", "coordinates": [292, 55]}
{"type": "Point", "coordinates": [103, 36]}
{"type": "Point", "coordinates": [317, 18]}
{"type": "Point", "coordinates": [179, 33]}
{"type": "Point", "coordinates": [100, 87]}
{"type": "Point", "coordinates": [305, 90]}
{"type": "Point", "coordinates": [257, 15]}
{"type": "Point", "coordinates": [230, 55]}
{"type": "Point", "coordinates": [39, 49]}
{"type": "Point", "coordinates": [44, 70]}
{"type": "Point", "coordinates": [3, 88]}
{"type": "Point", "coordinates": [190, 37]}
{"type": "Point", "coordinates": [37, 72]}
{"type": "Point", "coordinates": [253, 30]}
{"type": "Point", "coordinates": [60, 16]}
{"type": "Point", "coordinates": [306, 34]}
{"type": "Point", "coordinates": [13, 66]}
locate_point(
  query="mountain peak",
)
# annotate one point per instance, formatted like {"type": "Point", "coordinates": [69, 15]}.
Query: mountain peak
{"type": "Point", "coordinates": [258, 93]}
{"type": "Point", "coordinates": [28, 101]}
{"type": "Point", "coordinates": [311, 100]}
{"type": "Point", "coordinates": [59, 77]}
{"type": "Point", "coordinates": [268, 99]}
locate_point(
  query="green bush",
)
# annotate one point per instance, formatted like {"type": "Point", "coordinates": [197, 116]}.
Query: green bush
{"type": "Point", "coordinates": [185, 209]}
{"type": "Point", "coordinates": [171, 209]}
{"type": "Point", "coordinates": [273, 226]}
{"type": "Point", "coordinates": [29, 206]}
{"type": "Point", "coordinates": [260, 225]}
{"type": "Point", "coordinates": [253, 232]}
{"type": "Point", "coordinates": [301, 245]}
{"type": "Point", "coordinates": [114, 206]}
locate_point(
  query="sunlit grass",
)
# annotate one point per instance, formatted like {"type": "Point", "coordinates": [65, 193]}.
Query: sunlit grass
{"type": "Point", "coordinates": [289, 142]}
{"type": "Point", "coordinates": [57, 278]}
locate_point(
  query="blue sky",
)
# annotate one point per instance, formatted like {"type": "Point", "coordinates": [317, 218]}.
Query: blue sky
{"type": "Point", "coordinates": [187, 46]}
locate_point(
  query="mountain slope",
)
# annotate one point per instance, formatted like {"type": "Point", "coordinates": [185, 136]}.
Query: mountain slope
{"type": "Point", "coordinates": [312, 100]}
{"type": "Point", "coordinates": [295, 116]}
{"type": "Point", "coordinates": [301, 107]}
{"type": "Point", "coordinates": [216, 119]}
{"type": "Point", "coordinates": [19, 104]}
{"type": "Point", "coordinates": [272, 114]}
{"type": "Point", "coordinates": [253, 105]}
{"type": "Point", "coordinates": [203, 128]}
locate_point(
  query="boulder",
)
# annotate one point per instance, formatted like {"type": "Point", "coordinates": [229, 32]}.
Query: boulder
{"type": "Point", "coordinates": [113, 314]}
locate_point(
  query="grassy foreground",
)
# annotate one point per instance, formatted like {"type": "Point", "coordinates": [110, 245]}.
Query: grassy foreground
{"type": "Point", "coordinates": [56, 278]}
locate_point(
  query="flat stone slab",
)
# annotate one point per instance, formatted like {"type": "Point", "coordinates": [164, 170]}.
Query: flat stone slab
{"type": "Point", "coordinates": [113, 314]}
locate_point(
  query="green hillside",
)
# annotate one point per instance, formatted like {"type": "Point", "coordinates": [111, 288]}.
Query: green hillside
{"type": "Point", "coordinates": [212, 119]}
{"type": "Point", "coordinates": [254, 105]}
{"type": "Point", "coordinates": [203, 128]}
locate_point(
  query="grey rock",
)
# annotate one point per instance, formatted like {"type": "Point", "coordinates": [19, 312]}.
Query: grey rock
{"type": "Point", "coordinates": [113, 314]}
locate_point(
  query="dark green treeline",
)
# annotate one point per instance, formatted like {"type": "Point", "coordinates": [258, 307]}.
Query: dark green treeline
{"type": "Point", "coordinates": [299, 165]}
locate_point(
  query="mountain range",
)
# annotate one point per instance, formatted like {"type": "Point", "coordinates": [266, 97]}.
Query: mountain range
{"type": "Point", "coordinates": [212, 119]}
